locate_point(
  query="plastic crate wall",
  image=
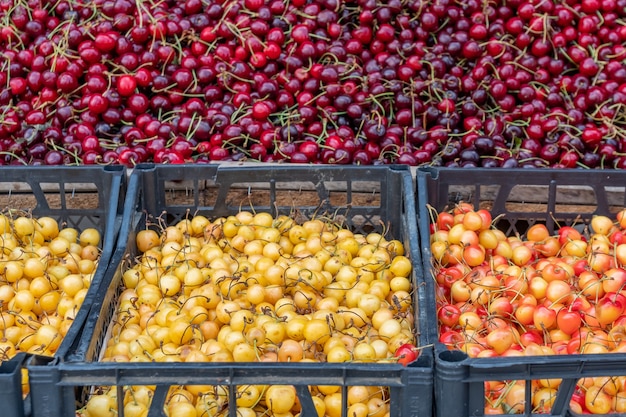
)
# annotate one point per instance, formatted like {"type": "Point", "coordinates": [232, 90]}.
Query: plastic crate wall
{"type": "Point", "coordinates": [554, 198]}
{"type": "Point", "coordinates": [58, 192]}
{"type": "Point", "coordinates": [208, 190]}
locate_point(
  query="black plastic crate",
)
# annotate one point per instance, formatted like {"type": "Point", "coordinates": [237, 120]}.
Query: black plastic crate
{"type": "Point", "coordinates": [79, 197]}
{"type": "Point", "coordinates": [208, 190]}
{"type": "Point", "coordinates": [522, 198]}
{"type": "Point", "coordinates": [11, 386]}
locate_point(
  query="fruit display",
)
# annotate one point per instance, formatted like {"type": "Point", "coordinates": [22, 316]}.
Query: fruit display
{"type": "Point", "coordinates": [45, 273]}
{"type": "Point", "coordinates": [541, 294]}
{"type": "Point", "coordinates": [251, 287]}
{"type": "Point", "coordinates": [228, 281]}
{"type": "Point", "coordinates": [444, 83]}
{"type": "Point", "coordinates": [57, 228]}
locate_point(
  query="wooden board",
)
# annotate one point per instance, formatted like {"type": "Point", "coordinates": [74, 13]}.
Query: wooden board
{"type": "Point", "coordinates": [525, 198]}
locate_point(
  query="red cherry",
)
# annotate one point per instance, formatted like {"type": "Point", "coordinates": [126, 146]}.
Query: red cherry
{"type": "Point", "coordinates": [126, 85]}
{"type": "Point", "coordinates": [406, 354]}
